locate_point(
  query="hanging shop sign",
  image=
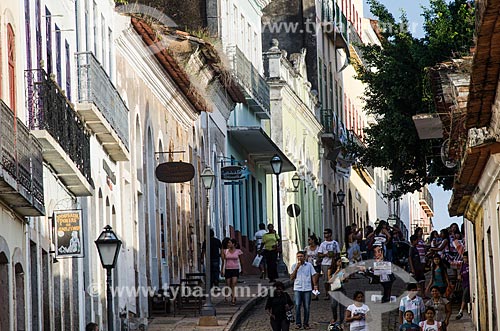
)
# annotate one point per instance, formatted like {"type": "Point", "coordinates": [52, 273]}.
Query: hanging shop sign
{"type": "Point", "coordinates": [68, 233]}
{"type": "Point", "coordinates": [175, 172]}
{"type": "Point", "coordinates": [233, 172]}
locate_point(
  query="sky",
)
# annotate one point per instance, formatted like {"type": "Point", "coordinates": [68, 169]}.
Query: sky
{"type": "Point", "coordinates": [413, 10]}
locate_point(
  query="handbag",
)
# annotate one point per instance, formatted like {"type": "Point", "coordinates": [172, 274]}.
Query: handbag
{"type": "Point", "coordinates": [277, 247]}
{"type": "Point", "coordinates": [336, 284]}
{"type": "Point", "coordinates": [257, 260]}
{"type": "Point", "coordinates": [290, 316]}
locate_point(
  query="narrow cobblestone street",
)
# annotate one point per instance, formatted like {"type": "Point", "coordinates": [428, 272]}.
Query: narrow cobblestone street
{"type": "Point", "coordinates": [321, 313]}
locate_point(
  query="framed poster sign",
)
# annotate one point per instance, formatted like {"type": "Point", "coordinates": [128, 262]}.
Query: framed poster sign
{"type": "Point", "coordinates": [68, 233]}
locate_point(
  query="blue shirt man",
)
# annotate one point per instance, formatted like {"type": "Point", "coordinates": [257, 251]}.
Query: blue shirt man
{"type": "Point", "coordinates": [303, 284]}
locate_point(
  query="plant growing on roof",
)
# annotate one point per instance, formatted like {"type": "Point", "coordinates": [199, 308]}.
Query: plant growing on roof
{"type": "Point", "coordinates": [397, 88]}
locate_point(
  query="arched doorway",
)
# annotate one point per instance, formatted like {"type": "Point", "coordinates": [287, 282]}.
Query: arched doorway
{"type": "Point", "coordinates": [19, 297]}
{"type": "Point", "coordinates": [4, 292]}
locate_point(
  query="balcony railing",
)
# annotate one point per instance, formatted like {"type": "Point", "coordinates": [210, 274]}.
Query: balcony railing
{"type": "Point", "coordinates": [21, 166]}
{"type": "Point", "coordinates": [253, 85]}
{"type": "Point", "coordinates": [426, 201]}
{"type": "Point", "coordinates": [50, 111]}
{"type": "Point", "coordinates": [95, 86]}
{"type": "Point", "coordinates": [341, 22]}
{"type": "Point", "coordinates": [329, 121]}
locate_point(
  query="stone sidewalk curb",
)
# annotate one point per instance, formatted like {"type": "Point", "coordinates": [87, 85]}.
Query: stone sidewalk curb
{"type": "Point", "coordinates": [236, 318]}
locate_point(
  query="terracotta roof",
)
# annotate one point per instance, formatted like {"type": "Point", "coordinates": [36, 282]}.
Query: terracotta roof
{"type": "Point", "coordinates": [470, 173]}
{"type": "Point", "coordinates": [207, 50]}
{"type": "Point", "coordinates": [171, 66]}
{"type": "Point", "coordinates": [486, 65]}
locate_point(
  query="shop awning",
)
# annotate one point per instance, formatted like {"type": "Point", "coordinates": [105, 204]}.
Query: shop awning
{"type": "Point", "coordinates": [259, 147]}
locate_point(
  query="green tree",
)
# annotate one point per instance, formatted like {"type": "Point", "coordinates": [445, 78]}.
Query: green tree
{"type": "Point", "coordinates": [397, 88]}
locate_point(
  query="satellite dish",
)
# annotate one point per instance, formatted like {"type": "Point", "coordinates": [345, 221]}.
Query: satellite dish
{"type": "Point", "coordinates": [445, 155]}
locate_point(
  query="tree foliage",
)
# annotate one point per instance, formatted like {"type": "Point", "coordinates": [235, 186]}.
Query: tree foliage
{"type": "Point", "coordinates": [397, 88]}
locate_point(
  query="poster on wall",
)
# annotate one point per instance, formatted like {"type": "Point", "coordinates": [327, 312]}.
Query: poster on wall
{"type": "Point", "coordinates": [68, 233]}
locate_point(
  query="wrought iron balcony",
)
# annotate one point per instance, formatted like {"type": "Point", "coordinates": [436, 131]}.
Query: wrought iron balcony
{"type": "Point", "coordinates": [61, 132]}
{"type": "Point", "coordinates": [330, 123]}
{"type": "Point", "coordinates": [426, 201]}
{"type": "Point", "coordinates": [252, 84]}
{"type": "Point", "coordinates": [102, 108]}
{"type": "Point", "coordinates": [341, 22]}
{"type": "Point", "coordinates": [21, 167]}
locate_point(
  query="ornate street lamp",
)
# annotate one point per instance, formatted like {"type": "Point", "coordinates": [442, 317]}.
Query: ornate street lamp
{"type": "Point", "coordinates": [208, 310]}
{"type": "Point", "coordinates": [341, 197]}
{"type": "Point", "coordinates": [276, 164]}
{"type": "Point", "coordinates": [108, 246]}
{"type": "Point", "coordinates": [296, 181]}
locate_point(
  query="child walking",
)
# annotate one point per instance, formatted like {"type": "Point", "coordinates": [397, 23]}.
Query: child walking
{"type": "Point", "coordinates": [356, 314]}
{"type": "Point", "coordinates": [408, 324]}
{"type": "Point", "coordinates": [430, 324]}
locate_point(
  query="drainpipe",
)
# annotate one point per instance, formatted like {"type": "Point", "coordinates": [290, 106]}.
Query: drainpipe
{"type": "Point", "coordinates": [77, 25]}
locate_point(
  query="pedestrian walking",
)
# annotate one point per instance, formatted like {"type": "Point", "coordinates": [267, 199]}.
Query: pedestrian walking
{"type": "Point", "coordinates": [231, 267]}
{"type": "Point", "coordinates": [381, 235]}
{"type": "Point", "coordinates": [412, 302]}
{"type": "Point", "coordinates": [417, 269]}
{"type": "Point", "coordinates": [271, 242]}
{"type": "Point", "coordinates": [369, 241]}
{"type": "Point", "coordinates": [421, 245]}
{"type": "Point", "coordinates": [352, 238]}
{"type": "Point", "coordinates": [464, 277]}
{"type": "Point", "coordinates": [439, 275]}
{"type": "Point", "coordinates": [444, 247]}
{"type": "Point", "coordinates": [357, 314]}
{"type": "Point", "coordinates": [430, 324]}
{"type": "Point", "coordinates": [336, 277]}
{"type": "Point", "coordinates": [408, 325]}
{"type": "Point", "coordinates": [259, 248]}
{"type": "Point", "coordinates": [312, 257]}
{"type": "Point", "coordinates": [442, 307]}
{"type": "Point", "coordinates": [91, 327]}
{"type": "Point", "coordinates": [328, 249]}
{"type": "Point", "coordinates": [381, 271]}
{"type": "Point", "coordinates": [215, 256]}
{"type": "Point", "coordinates": [277, 305]}
{"type": "Point", "coordinates": [303, 284]}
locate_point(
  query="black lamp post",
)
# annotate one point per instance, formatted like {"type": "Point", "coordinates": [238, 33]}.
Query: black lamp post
{"type": "Point", "coordinates": [108, 246]}
{"type": "Point", "coordinates": [208, 309]}
{"type": "Point", "coordinates": [338, 202]}
{"type": "Point", "coordinates": [276, 164]}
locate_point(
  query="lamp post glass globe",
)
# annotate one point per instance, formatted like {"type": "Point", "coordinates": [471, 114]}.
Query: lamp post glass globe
{"type": "Point", "coordinates": [207, 176]}
{"type": "Point", "coordinates": [276, 164]}
{"type": "Point", "coordinates": [296, 181]}
{"type": "Point", "coordinates": [108, 246]}
{"type": "Point", "coordinates": [341, 196]}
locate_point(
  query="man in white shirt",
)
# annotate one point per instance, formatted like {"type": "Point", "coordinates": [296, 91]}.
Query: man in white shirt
{"type": "Point", "coordinates": [303, 283]}
{"type": "Point", "coordinates": [327, 250]}
{"type": "Point", "coordinates": [258, 247]}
